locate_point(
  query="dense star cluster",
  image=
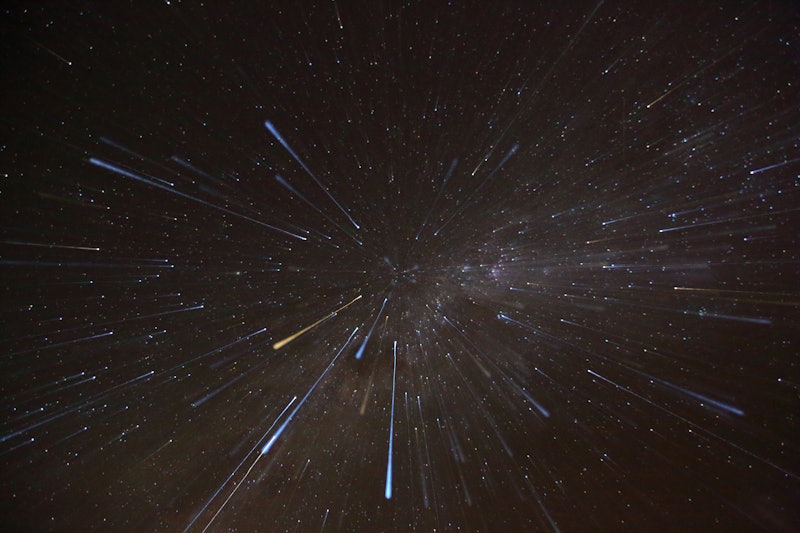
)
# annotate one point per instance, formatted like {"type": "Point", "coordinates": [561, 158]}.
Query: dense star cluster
{"type": "Point", "coordinates": [378, 266]}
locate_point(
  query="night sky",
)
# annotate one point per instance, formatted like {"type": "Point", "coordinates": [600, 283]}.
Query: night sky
{"type": "Point", "coordinates": [372, 266]}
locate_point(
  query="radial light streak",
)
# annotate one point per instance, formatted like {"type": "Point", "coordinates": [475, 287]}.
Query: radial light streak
{"type": "Point", "coordinates": [233, 473]}
{"type": "Point", "coordinates": [63, 246]}
{"type": "Point", "coordinates": [281, 140]}
{"type": "Point", "coordinates": [363, 346]}
{"type": "Point", "coordinates": [134, 176]}
{"type": "Point", "coordinates": [294, 191]}
{"type": "Point", "coordinates": [471, 196]}
{"type": "Point", "coordinates": [271, 442]}
{"type": "Point", "coordinates": [438, 197]}
{"type": "Point", "coordinates": [387, 493]}
{"type": "Point", "coordinates": [280, 344]}
{"type": "Point", "coordinates": [776, 165]}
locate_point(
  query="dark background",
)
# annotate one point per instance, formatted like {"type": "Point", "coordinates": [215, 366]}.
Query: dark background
{"type": "Point", "coordinates": [583, 218]}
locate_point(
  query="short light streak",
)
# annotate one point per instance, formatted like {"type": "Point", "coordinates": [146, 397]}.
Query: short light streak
{"type": "Point", "coordinates": [471, 196]}
{"type": "Point", "coordinates": [438, 197]}
{"type": "Point", "coordinates": [776, 165]}
{"type": "Point", "coordinates": [657, 100]}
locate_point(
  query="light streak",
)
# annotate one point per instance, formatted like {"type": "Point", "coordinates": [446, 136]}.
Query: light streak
{"type": "Point", "coordinates": [388, 490]}
{"type": "Point", "coordinates": [280, 344]}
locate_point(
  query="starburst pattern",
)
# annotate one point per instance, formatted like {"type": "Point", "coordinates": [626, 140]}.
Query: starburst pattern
{"type": "Point", "coordinates": [362, 267]}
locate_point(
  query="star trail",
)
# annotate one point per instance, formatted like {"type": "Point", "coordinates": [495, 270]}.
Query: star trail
{"type": "Point", "coordinates": [384, 266]}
